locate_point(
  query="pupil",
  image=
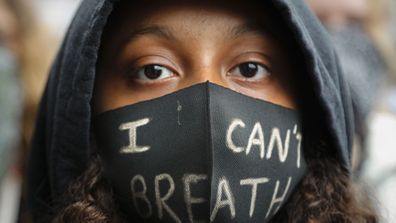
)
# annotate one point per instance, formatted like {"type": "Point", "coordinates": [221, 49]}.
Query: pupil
{"type": "Point", "coordinates": [152, 71]}
{"type": "Point", "coordinates": [248, 69]}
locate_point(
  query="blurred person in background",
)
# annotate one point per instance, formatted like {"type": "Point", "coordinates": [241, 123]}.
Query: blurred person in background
{"type": "Point", "coordinates": [11, 107]}
{"type": "Point", "coordinates": [34, 47]}
{"type": "Point", "coordinates": [10, 91]}
{"type": "Point", "coordinates": [364, 34]}
{"type": "Point", "coordinates": [360, 31]}
{"type": "Point", "coordinates": [26, 50]}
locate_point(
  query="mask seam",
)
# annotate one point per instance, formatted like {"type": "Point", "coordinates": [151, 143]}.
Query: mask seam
{"type": "Point", "coordinates": [209, 147]}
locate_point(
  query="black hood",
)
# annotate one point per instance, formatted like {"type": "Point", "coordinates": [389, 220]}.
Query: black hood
{"type": "Point", "coordinates": [62, 139]}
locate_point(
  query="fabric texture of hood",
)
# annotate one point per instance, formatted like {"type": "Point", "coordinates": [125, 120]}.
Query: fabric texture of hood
{"type": "Point", "coordinates": [62, 140]}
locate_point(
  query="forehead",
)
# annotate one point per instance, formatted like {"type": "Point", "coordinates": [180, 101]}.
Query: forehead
{"type": "Point", "coordinates": [224, 4]}
{"type": "Point", "coordinates": [137, 11]}
{"type": "Point", "coordinates": [203, 15]}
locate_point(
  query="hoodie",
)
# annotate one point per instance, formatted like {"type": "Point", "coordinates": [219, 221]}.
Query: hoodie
{"type": "Point", "coordinates": [63, 135]}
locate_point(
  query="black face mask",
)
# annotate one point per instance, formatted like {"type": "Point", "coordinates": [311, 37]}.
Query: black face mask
{"type": "Point", "coordinates": [201, 154]}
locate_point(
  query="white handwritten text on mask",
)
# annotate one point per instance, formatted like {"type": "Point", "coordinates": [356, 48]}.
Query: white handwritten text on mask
{"type": "Point", "coordinates": [256, 138]}
{"type": "Point", "coordinates": [225, 198]}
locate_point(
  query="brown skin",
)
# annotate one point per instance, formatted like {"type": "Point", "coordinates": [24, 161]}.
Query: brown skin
{"type": "Point", "coordinates": [190, 43]}
{"type": "Point", "coordinates": [203, 49]}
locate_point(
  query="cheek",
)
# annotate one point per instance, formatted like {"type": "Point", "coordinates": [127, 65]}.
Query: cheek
{"type": "Point", "coordinates": [284, 89]}
{"type": "Point", "coordinates": [279, 89]}
{"type": "Point", "coordinates": [112, 91]}
{"type": "Point", "coordinates": [274, 93]}
{"type": "Point", "coordinates": [279, 95]}
{"type": "Point", "coordinates": [109, 90]}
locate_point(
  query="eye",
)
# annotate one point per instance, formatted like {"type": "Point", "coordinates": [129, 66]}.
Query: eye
{"type": "Point", "coordinates": [250, 71]}
{"type": "Point", "coordinates": [153, 72]}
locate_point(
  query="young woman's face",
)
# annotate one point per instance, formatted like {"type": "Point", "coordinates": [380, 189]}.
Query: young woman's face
{"type": "Point", "coordinates": [153, 48]}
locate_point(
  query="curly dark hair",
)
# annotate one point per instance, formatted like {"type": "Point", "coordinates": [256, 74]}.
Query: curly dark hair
{"type": "Point", "coordinates": [327, 194]}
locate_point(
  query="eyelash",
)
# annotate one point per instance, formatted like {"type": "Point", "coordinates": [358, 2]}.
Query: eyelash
{"type": "Point", "coordinates": [135, 73]}
{"type": "Point", "coordinates": [140, 74]}
{"type": "Point", "coordinates": [256, 66]}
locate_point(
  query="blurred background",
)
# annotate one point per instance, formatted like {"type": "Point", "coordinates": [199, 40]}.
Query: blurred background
{"type": "Point", "coordinates": [30, 34]}
{"type": "Point", "coordinates": [363, 32]}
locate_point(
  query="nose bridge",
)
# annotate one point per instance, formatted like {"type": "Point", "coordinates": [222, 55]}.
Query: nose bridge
{"type": "Point", "coordinates": [207, 73]}
{"type": "Point", "coordinates": [205, 66]}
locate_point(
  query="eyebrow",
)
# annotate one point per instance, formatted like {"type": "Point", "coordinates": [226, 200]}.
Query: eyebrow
{"type": "Point", "coordinates": [248, 28]}
{"type": "Point", "coordinates": [166, 33]}
{"type": "Point", "coordinates": [153, 30]}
